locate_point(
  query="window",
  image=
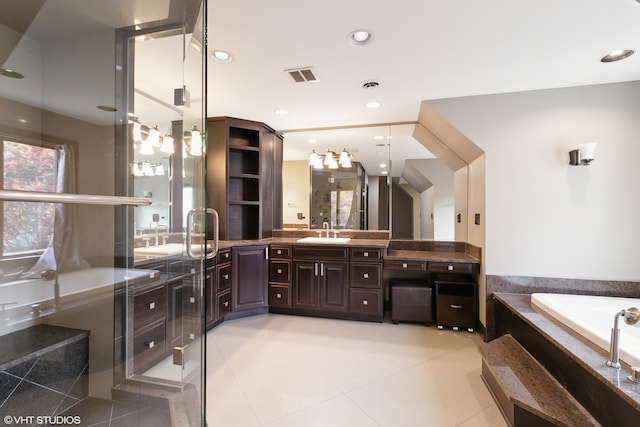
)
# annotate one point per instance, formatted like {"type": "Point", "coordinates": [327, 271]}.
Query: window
{"type": "Point", "coordinates": [27, 227]}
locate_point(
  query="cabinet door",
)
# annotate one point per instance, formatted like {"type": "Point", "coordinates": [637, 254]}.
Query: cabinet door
{"type": "Point", "coordinates": [305, 285]}
{"type": "Point", "coordinates": [334, 287]}
{"type": "Point", "coordinates": [249, 278]}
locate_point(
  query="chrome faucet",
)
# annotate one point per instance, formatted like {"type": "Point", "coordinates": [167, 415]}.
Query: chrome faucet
{"type": "Point", "coordinates": [631, 316]}
{"type": "Point", "coordinates": [327, 227]}
{"type": "Point", "coordinates": [48, 275]}
{"type": "Point", "coordinates": [158, 227]}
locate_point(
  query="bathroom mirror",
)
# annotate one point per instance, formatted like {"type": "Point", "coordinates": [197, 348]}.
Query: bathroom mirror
{"type": "Point", "coordinates": [410, 172]}
{"type": "Point", "coordinates": [157, 112]}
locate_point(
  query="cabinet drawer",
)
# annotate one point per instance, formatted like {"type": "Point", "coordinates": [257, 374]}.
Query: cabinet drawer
{"type": "Point", "coordinates": [148, 306]}
{"type": "Point", "coordinates": [224, 277]}
{"type": "Point", "coordinates": [279, 252]}
{"type": "Point", "coordinates": [454, 267]}
{"type": "Point", "coordinates": [280, 295]}
{"type": "Point", "coordinates": [455, 310]}
{"type": "Point", "coordinates": [148, 345]}
{"type": "Point", "coordinates": [321, 252]}
{"type": "Point", "coordinates": [399, 264]}
{"type": "Point", "coordinates": [365, 275]}
{"type": "Point", "coordinates": [223, 304]}
{"type": "Point", "coordinates": [366, 254]}
{"type": "Point", "coordinates": [224, 255]}
{"type": "Point", "coordinates": [280, 271]}
{"type": "Point", "coordinates": [365, 302]}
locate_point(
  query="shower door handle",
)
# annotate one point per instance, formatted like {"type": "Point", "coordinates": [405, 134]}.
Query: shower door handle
{"type": "Point", "coordinates": [190, 226]}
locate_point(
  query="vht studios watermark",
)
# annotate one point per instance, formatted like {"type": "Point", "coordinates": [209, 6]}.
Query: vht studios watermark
{"type": "Point", "coordinates": [60, 420]}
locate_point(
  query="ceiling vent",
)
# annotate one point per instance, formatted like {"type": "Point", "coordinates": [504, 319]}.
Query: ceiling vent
{"type": "Point", "coordinates": [301, 75]}
{"type": "Point", "coordinates": [370, 84]}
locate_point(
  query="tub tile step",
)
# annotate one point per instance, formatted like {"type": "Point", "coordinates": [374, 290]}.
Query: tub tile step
{"type": "Point", "coordinates": [525, 391]}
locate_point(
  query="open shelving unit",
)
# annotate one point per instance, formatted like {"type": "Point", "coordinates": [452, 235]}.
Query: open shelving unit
{"type": "Point", "coordinates": [240, 166]}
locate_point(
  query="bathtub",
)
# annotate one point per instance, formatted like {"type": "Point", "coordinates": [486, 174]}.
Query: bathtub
{"type": "Point", "coordinates": [592, 317]}
{"type": "Point", "coordinates": [23, 302]}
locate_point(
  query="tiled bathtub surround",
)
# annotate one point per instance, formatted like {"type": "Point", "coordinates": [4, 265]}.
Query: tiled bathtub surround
{"type": "Point", "coordinates": [43, 370]}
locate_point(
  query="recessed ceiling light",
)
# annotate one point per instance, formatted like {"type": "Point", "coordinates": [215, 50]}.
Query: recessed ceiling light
{"type": "Point", "coordinates": [617, 55]}
{"type": "Point", "coordinates": [372, 104]}
{"type": "Point", "coordinates": [10, 73]}
{"type": "Point", "coordinates": [378, 137]}
{"type": "Point", "coordinates": [107, 108]}
{"type": "Point", "coordinates": [383, 165]}
{"type": "Point", "coordinates": [360, 37]}
{"type": "Point", "coordinates": [281, 112]}
{"type": "Point", "coordinates": [221, 56]}
{"type": "Point", "coordinates": [312, 141]}
{"type": "Point", "coordinates": [384, 172]}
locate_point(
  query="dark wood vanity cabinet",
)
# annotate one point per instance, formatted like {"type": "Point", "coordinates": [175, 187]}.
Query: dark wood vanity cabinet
{"type": "Point", "coordinates": [218, 287]}
{"type": "Point", "coordinates": [249, 278]}
{"type": "Point", "coordinates": [280, 273]}
{"type": "Point", "coordinates": [365, 283]}
{"type": "Point", "coordinates": [244, 166]}
{"type": "Point", "coordinates": [321, 278]}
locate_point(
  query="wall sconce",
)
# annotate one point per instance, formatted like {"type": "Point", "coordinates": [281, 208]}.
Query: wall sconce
{"type": "Point", "coordinates": [582, 156]}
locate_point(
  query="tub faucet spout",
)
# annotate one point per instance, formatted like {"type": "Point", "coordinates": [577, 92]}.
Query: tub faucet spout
{"type": "Point", "coordinates": [48, 275]}
{"type": "Point", "coordinates": [631, 317]}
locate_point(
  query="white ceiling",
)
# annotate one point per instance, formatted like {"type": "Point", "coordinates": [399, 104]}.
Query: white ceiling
{"type": "Point", "coordinates": [422, 50]}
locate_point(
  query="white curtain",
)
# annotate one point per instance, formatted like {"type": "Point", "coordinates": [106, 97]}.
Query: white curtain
{"type": "Point", "coordinates": [63, 252]}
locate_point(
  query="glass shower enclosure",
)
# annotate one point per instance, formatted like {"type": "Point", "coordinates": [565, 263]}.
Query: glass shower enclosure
{"type": "Point", "coordinates": [102, 108]}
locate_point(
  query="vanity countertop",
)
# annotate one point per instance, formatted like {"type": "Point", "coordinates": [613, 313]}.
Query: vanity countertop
{"type": "Point", "coordinates": [426, 255]}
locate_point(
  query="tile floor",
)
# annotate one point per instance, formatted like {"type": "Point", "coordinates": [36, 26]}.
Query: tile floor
{"type": "Point", "coordinates": [276, 370]}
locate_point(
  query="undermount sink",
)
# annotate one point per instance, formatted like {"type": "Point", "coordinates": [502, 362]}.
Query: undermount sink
{"type": "Point", "coordinates": [325, 240]}
{"type": "Point", "coordinates": [168, 249]}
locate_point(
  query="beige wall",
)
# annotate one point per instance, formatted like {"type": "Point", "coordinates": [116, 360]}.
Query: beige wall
{"type": "Point", "coordinates": [296, 181]}
{"type": "Point", "coordinates": [545, 218]}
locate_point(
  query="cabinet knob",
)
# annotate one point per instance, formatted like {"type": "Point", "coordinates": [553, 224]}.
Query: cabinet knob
{"type": "Point", "coordinates": [226, 304]}
{"type": "Point", "coordinates": [279, 252]}
{"type": "Point", "coordinates": [365, 302]}
{"type": "Point", "coordinates": [278, 296]}
{"type": "Point", "coordinates": [366, 254]}
{"type": "Point", "coordinates": [151, 344]}
{"type": "Point", "coordinates": [225, 277]}
{"type": "Point", "coordinates": [365, 275]}
{"type": "Point", "coordinates": [152, 305]}
{"type": "Point", "coordinates": [456, 306]}
{"type": "Point", "coordinates": [192, 336]}
{"type": "Point", "coordinates": [192, 300]}
{"type": "Point", "coordinates": [404, 265]}
{"type": "Point", "coordinates": [450, 267]}
{"type": "Point", "coordinates": [279, 271]}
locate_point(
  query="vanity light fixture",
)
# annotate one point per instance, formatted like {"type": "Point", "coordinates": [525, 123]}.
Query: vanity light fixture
{"type": "Point", "coordinates": [281, 112]}
{"type": "Point", "coordinates": [146, 148]}
{"type": "Point", "coordinates": [345, 159]}
{"type": "Point", "coordinates": [158, 169]}
{"type": "Point", "coordinates": [167, 144]}
{"type": "Point", "coordinates": [137, 130]}
{"type": "Point", "coordinates": [582, 156]}
{"type": "Point", "coordinates": [154, 136]}
{"type": "Point", "coordinates": [196, 142]}
{"type": "Point", "coordinates": [372, 104]}
{"type": "Point", "coordinates": [330, 160]}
